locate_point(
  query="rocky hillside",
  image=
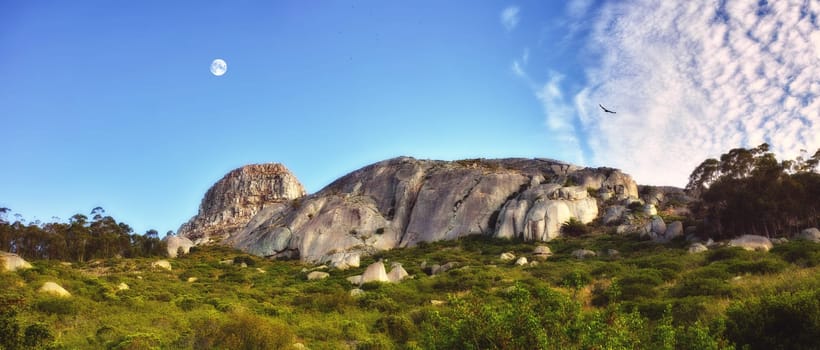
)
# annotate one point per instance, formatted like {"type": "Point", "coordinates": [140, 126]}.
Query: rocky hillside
{"type": "Point", "coordinates": [401, 202]}
{"type": "Point", "coordinates": [239, 196]}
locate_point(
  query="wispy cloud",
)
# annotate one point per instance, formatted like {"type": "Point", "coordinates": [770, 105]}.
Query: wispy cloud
{"type": "Point", "coordinates": [510, 17]}
{"type": "Point", "coordinates": [693, 79]}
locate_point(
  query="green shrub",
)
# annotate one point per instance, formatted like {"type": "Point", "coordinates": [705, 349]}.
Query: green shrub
{"type": "Point", "coordinates": [640, 284]}
{"type": "Point", "coordinates": [574, 227]}
{"type": "Point", "coordinates": [759, 267]}
{"type": "Point", "coordinates": [782, 321]}
{"type": "Point", "coordinates": [800, 253]}
{"type": "Point", "coordinates": [241, 331]}
{"type": "Point", "coordinates": [57, 306]}
{"type": "Point", "coordinates": [398, 328]}
{"type": "Point", "coordinates": [702, 286]}
{"type": "Point", "coordinates": [137, 341]}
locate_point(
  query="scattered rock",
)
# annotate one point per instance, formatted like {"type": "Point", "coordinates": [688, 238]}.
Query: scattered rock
{"type": "Point", "coordinates": [541, 252]}
{"type": "Point", "coordinates": [13, 262]}
{"type": "Point", "coordinates": [344, 261]}
{"type": "Point", "coordinates": [375, 273]}
{"type": "Point", "coordinates": [650, 210]}
{"type": "Point", "coordinates": [752, 242]}
{"type": "Point", "coordinates": [779, 240]}
{"type": "Point", "coordinates": [260, 270]}
{"type": "Point", "coordinates": [397, 273]}
{"type": "Point", "coordinates": [612, 253]}
{"type": "Point", "coordinates": [657, 225]}
{"type": "Point", "coordinates": [810, 234]}
{"type": "Point", "coordinates": [355, 279]}
{"type": "Point", "coordinates": [521, 261]}
{"type": "Point", "coordinates": [583, 253]}
{"type": "Point", "coordinates": [54, 289]}
{"type": "Point", "coordinates": [192, 279]}
{"type": "Point", "coordinates": [356, 292]}
{"type": "Point", "coordinates": [162, 264]}
{"type": "Point", "coordinates": [317, 275]}
{"type": "Point", "coordinates": [697, 248]}
{"type": "Point", "coordinates": [299, 346]}
{"type": "Point", "coordinates": [533, 263]}
{"type": "Point", "coordinates": [507, 256]}
{"type": "Point", "coordinates": [177, 244]}
{"type": "Point", "coordinates": [437, 302]}
{"type": "Point", "coordinates": [437, 269]}
{"type": "Point", "coordinates": [122, 286]}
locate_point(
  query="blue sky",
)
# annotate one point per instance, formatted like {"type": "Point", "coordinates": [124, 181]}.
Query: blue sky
{"type": "Point", "coordinates": [112, 104]}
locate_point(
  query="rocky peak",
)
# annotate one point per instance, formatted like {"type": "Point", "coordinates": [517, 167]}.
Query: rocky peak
{"type": "Point", "coordinates": [236, 198]}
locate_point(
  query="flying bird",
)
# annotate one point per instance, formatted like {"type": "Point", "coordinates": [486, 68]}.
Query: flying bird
{"type": "Point", "coordinates": [606, 110]}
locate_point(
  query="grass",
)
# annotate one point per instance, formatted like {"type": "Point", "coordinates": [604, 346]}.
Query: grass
{"type": "Point", "coordinates": [273, 303]}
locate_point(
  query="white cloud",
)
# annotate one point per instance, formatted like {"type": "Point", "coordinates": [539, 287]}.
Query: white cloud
{"type": "Point", "coordinates": [510, 17]}
{"type": "Point", "coordinates": [560, 116]}
{"type": "Point", "coordinates": [690, 80]}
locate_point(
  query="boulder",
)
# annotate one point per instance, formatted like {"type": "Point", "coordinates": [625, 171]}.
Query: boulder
{"type": "Point", "coordinates": [613, 215]}
{"type": "Point", "coordinates": [521, 261]}
{"type": "Point", "coordinates": [317, 275]}
{"type": "Point", "coordinates": [697, 248]}
{"type": "Point", "coordinates": [507, 256]}
{"type": "Point", "coordinates": [122, 286]}
{"type": "Point", "coordinates": [54, 289]}
{"type": "Point", "coordinates": [397, 274]}
{"type": "Point", "coordinates": [163, 264]}
{"type": "Point", "coordinates": [657, 225]}
{"type": "Point", "coordinates": [177, 244]}
{"type": "Point", "coordinates": [344, 261]}
{"type": "Point", "coordinates": [583, 253]}
{"type": "Point", "coordinates": [356, 292]}
{"type": "Point", "coordinates": [613, 253]}
{"type": "Point", "coordinates": [810, 234]}
{"type": "Point", "coordinates": [437, 269]}
{"type": "Point", "coordinates": [375, 273]}
{"type": "Point", "coordinates": [355, 279]}
{"type": "Point", "coordinates": [573, 193]}
{"type": "Point", "coordinates": [650, 210]}
{"type": "Point", "coordinates": [752, 242]}
{"type": "Point", "coordinates": [12, 262]}
{"type": "Point", "coordinates": [542, 252]}
{"type": "Point", "coordinates": [673, 230]}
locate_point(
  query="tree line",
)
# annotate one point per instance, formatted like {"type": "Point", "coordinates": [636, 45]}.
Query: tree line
{"type": "Point", "coordinates": [748, 191]}
{"type": "Point", "coordinates": [80, 239]}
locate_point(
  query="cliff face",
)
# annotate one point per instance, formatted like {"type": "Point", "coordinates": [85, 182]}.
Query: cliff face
{"type": "Point", "coordinates": [230, 204]}
{"type": "Point", "coordinates": [403, 201]}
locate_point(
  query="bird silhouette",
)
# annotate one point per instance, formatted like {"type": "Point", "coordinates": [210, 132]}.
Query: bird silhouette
{"type": "Point", "coordinates": [606, 110]}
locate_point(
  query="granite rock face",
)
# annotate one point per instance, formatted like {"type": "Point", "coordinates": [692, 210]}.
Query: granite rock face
{"type": "Point", "coordinates": [403, 201]}
{"type": "Point", "coordinates": [231, 203]}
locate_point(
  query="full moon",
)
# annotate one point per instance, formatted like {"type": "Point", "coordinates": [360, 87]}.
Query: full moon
{"type": "Point", "coordinates": [219, 67]}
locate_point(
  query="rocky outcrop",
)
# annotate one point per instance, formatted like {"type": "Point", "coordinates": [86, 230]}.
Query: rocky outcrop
{"type": "Point", "coordinates": [403, 201]}
{"type": "Point", "coordinates": [375, 272]}
{"type": "Point", "coordinates": [231, 203]}
{"type": "Point", "coordinates": [397, 273]}
{"type": "Point", "coordinates": [12, 262]}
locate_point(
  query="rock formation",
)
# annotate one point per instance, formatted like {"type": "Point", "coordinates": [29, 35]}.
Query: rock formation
{"type": "Point", "coordinates": [403, 201]}
{"type": "Point", "coordinates": [177, 244]}
{"type": "Point", "coordinates": [12, 262]}
{"type": "Point", "coordinates": [54, 289]}
{"type": "Point", "coordinates": [231, 203]}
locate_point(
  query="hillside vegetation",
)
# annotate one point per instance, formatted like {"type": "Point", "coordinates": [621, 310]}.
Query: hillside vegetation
{"type": "Point", "coordinates": [647, 296]}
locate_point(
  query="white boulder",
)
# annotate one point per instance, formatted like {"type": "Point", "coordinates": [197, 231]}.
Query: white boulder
{"type": "Point", "coordinates": [541, 252]}
{"type": "Point", "coordinates": [317, 275]}
{"type": "Point", "coordinates": [810, 234]}
{"type": "Point", "coordinates": [54, 289]}
{"type": "Point", "coordinates": [177, 244]}
{"type": "Point", "coordinates": [162, 264]}
{"type": "Point", "coordinates": [13, 262]}
{"type": "Point", "coordinates": [583, 253]}
{"type": "Point", "coordinates": [397, 274]}
{"type": "Point", "coordinates": [521, 261]}
{"type": "Point", "coordinates": [507, 256]}
{"type": "Point", "coordinates": [375, 273]}
{"type": "Point", "coordinates": [752, 242]}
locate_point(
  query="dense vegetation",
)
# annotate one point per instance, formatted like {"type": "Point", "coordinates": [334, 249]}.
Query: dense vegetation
{"type": "Point", "coordinates": [648, 296]}
{"type": "Point", "coordinates": [78, 240]}
{"type": "Point", "coordinates": [748, 191]}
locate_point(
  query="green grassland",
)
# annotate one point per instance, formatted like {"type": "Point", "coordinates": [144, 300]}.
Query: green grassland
{"type": "Point", "coordinates": [649, 296]}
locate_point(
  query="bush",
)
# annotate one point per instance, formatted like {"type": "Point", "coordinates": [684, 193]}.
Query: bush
{"type": "Point", "coordinates": [800, 253]}
{"type": "Point", "coordinates": [702, 286]}
{"type": "Point", "coordinates": [57, 306]}
{"type": "Point", "coordinates": [574, 228]}
{"type": "Point", "coordinates": [760, 267]}
{"type": "Point", "coordinates": [398, 328]}
{"type": "Point", "coordinates": [640, 284]}
{"type": "Point", "coordinates": [782, 321]}
{"type": "Point", "coordinates": [241, 331]}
